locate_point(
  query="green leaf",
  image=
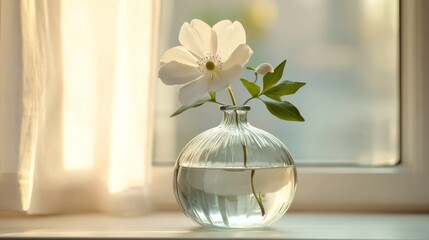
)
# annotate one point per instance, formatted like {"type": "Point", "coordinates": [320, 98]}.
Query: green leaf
{"type": "Point", "coordinates": [274, 97]}
{"type": "Point", "coordinates": [253, 88]}
{"type": "Point", "coordinates": [283, 88]}
{"type": "Point", "coordinates": [270, 79]}
{"type": "Point", "coordinates": [193, 105]}
{"type": "Point", "coordinates": [251, 68]}
{"type": "Point", "coordinates": [213, 96]}
{"type": "Point", "coordinates": [284, 110]}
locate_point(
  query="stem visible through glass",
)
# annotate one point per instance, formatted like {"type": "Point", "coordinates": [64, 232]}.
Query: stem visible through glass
{"type": "Point", "coordinates": [258, 197]}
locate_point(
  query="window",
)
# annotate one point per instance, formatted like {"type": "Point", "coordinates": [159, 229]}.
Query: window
{"type": "Point", "coordinates": [391, 185]}
{"type": "Point", "coordinates": [346, 51]}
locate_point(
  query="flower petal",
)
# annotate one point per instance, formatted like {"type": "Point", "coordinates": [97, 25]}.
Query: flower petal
{"type": "Point", "coordinates": [179, 54]}
{"type": "Point", "coordinates": [198, 37]}
{"type": "Point", "coordinates": [193, 91]}
{"type": "Point", "coordinates": [224, 78]}
{"type": "Point", "coordinates": [229, 37]}
{"type": "Point", "coordinates": [178, 73]}
{"type": "Point", "coordinates": [240, 56]}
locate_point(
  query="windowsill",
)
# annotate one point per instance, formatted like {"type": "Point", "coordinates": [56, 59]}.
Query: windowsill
{"type": "Point", "coordinates": [174, 225]}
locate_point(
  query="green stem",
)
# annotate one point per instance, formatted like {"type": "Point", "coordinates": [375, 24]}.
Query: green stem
{"type": "Point", "coordinates": [257, 197]}
{"type": "Point", "coordinates": [248, 100]}
{"type": "Point", "coordinates": [256, 77]}
{"type": "Point", "coordinates": [231, 94]}
{"type": "Point", "coordinates": [244, 154]}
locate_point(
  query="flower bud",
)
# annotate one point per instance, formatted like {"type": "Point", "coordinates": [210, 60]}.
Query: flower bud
{"type": "Point", "coordinates": [264, 68]}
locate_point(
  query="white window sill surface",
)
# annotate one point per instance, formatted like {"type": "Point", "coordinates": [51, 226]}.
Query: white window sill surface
{"type": "Point", "coordinates": [174, 225]}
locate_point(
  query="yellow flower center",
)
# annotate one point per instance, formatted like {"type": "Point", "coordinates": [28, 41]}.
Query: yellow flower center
{"type": "Point", "coordinates": [210, 63]}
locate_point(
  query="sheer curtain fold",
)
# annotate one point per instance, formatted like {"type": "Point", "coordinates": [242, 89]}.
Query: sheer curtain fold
{"type": "Point", "coordinates": [75, 109]}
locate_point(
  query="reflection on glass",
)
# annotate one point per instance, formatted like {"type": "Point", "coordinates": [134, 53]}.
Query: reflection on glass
{"type": "Point", "coordinates": [346, 51]}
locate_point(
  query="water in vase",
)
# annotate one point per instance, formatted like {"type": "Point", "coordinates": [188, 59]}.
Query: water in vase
{"type": "Point", "coordinates": [227, 197]}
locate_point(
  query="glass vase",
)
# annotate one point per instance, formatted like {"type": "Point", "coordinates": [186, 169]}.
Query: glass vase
{"type": "Point", "coordinates": [234, 175]}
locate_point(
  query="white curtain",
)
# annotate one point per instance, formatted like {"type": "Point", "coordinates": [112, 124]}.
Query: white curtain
{"type": "Point", "coordinates": [75, 105]}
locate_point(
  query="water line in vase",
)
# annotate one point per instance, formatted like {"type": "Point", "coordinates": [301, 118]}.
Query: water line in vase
{"type": "Point", "coordinates": [258, 197]}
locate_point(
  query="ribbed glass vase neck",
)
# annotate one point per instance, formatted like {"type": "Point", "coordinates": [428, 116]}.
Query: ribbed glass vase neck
{"type": "Point", "coordinates": [234, 114]}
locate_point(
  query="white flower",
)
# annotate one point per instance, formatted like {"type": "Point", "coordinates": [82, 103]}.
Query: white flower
{"type": "Point", "coordinates": [208, 60]}
{"type": "Point", "coordinates": [264, 68]}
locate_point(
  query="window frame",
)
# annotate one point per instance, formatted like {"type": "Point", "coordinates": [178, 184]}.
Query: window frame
{"type": "Point", "coordinates": [397, 188]}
